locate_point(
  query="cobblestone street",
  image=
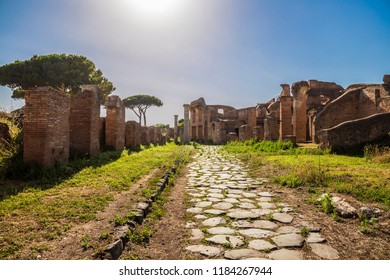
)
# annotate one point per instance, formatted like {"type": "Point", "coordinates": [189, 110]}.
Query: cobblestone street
{"type": "Point", "coordinates": [233, 216]}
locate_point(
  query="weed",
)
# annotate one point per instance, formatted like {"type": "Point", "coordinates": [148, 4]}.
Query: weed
{"type": "Point", "coordinates": [291, 180]}
{"type": "Point", "coordinates": [305, 232]}
{"type": "Point", "coordinates": [326, 204]}
{"type": "Point", "coordinates": [105, 235]}
{"type": "Point", "coordinates": [119, 221]}
{"type": "Point", "coordinates": [270, 217]}
{"type": "Point", "coordinates": [267, 250]}
{"type": "Point", "coordinates": [227, 245]}
{"type": "Point", "coordinates": [140, 235]}
{"type": "Point", "coordinates": [85, 242]}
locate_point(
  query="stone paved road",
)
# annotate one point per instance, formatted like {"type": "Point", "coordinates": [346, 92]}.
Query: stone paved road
{"type": "Point", "coordinates": [233, 216]}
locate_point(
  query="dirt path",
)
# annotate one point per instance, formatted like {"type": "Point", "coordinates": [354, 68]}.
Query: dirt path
{"type": "Point", "coordinates": [69, 247]}
{"type": "Point", "coordinates": [170, 235]}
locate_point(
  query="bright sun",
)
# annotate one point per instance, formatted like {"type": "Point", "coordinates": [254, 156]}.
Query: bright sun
{"type": "Point", "coordinates": [154, 8]}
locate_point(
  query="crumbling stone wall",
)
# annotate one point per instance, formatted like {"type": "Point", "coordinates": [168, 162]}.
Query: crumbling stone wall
{"type": "Point", "coordinates": [84, 121]}
{"type": "Point", "coordinates": [115, 123]}
{"type": "Point", "coordinates": [355, 133]}
{"type": "Point", "coordinates": [359, 101]}
{"type": "Point", "coordinates": [286, 112]}
{"type": "Point", "coordinates": [46, 127]}
{"type": "Point", "coordinates": [310, 96]}
{"type": "Point", "coordinates": [145, 139]}
{"type": "Point", "coordinates": [133, 134]}
{"type": "Point", "coordinates": [271, 122]}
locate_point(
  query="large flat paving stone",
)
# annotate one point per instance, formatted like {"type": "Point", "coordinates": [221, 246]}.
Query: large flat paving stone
{"type": "Point", "coordinates": [221, 230]}
{"type": "Point", "coordinates": [285, 254]}
{"type": "Point", "coordinates": [196, 234]}
{"type": "Point", "coordinates": [324, 251]}
{"type": "Point", "coordinates": [242, 224]}
{"type": "Point", "coordinates": [256, 233]}
{"type": "Point", "coordinates": [212, 222]}
{"type": "Point", "coordinates": [289, 240]}
{"type": "Point", "coordinates": [234, 241]}
{"type": "Point", "coordinates": [208, 251]}
{"type": "Point", "coordinates": [315, 237]}
{"type": "Point", "coordinates": [261, 245]}
{"type": "Point", "coordinates": [195, 210]}
{"type": "Point", "coordinates": [288, 229]}
{"type": "Point", "coordinates": [282, 217]}
{"type": "Point", "coordinates": [264, 224]}
{"type": "Point", "coordinates": [240, 254]}
{"type": "Point", "coordinates": [242, 215]}
{"type": "Point", "coordinates": [203, 204]}
{"type": "Point", "coordinates": [223, 206]}
{"type": "Point", "coordinates": [267, 205]}
{"type": "Point", "coordinates": [214, 212]}
{"type": "Point", "coordinates": [247, 205]}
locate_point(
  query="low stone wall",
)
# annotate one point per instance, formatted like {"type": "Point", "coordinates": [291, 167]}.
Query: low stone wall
{"type": "Point", "coordinates": [354, 134]}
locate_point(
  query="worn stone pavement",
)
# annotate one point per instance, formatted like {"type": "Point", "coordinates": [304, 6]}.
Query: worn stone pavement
{"type": "Point", "coordinates": [233, 216]}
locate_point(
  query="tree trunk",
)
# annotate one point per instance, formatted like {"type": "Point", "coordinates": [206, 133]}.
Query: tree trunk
{"type": "Point", "coordinates": [144, 118]}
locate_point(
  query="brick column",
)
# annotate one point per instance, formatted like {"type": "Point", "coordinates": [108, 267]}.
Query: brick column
{"type": "Point", "coordinates": [115, 123]}
{"type": "Point", "coordinates": [84, 122]}
{"type": "Point", "coordinates": [175, 133]}
{"type": "Point", "coordinates": [46, 127]}
{"type": "Point", "coordinates": [286, 112]}
{"type": "Point", "coordinates": [300, 108]}
{"type": "Point", "coordinates": [186, 136]}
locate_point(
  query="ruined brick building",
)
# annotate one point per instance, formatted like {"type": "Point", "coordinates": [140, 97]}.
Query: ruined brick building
{"type": "Point", "coordinates": [312, 111]}
{"type": "Point", "coordinates": [57, 126]}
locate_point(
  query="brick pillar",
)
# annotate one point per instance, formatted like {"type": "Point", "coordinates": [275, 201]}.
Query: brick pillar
{"type": "Point", "coordinates": [286, 112]}
{"type": "Point", "coordinates": [145, 140]}
{"type": "Point", "coordinates": [186, 136]}
{"type": "Point", "coordinates": [46, 127]}
{"type": "Point", "coordinates": [175, 129]}
{"type": "Point", "coordinates": [133, 134]}
{"type": "Point", "coordinates": [300, 108]}
{"type": "Point", "coordinates": [84, 121]}
{"type": "Point", "coordinates": [115, 123]}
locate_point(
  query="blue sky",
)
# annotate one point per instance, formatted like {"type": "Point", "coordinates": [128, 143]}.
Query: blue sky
{"type": "Point", "coordinates": [233, 52]}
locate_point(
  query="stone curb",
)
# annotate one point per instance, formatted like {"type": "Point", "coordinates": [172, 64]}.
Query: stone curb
{"type": "Point", "coordinates": [115, 249]}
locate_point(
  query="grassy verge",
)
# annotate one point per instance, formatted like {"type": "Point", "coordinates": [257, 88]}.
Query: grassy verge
{"type": "Point", "coordinates": [367, 179]}
{"type": "Point", "coordinates": [39, 212]}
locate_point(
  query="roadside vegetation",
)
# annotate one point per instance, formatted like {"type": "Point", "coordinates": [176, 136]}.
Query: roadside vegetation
{"type": "Point", "coordinates": [366, 177]}
{"type": "Point", "coordinates": [43, 205]}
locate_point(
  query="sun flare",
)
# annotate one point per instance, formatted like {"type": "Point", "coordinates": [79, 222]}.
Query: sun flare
{"type": "Point", "coordinates": [154, 8]}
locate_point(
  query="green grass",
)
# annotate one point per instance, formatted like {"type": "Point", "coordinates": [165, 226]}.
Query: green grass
{"type": "Point", "coordinates": [366, 178]}
{"type": "Point", "coordinates": [38, 212]}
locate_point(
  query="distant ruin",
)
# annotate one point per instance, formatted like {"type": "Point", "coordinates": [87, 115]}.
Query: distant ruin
{"type": "Point", "coordinates": [57, 126]}
{"type": "Point", "coordinates": [312, 111]}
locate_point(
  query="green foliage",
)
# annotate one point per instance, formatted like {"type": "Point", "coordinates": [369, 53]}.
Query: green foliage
{"type": "Point", "coordinates": [291, 180]}
{"type": "Point", "coordinates": [305, 232]}
{"type": "Point", "coordinates": [64, 72]}
{"type": "Point", "coordinates": [119, 221]}
{"type": "Point", "coordinates": [105, 235]}
{"type": "Point", "coordinates": [270, 148]}
{"type": "Point", "coordinates": [140, 235]}
{"type": "Point", "coordinates": [140, 103]}
{"type": "Point", "coordinates": [85, 242]}
{"type": "Point", "coordinates": [326, 204]}
{"type": "Point", "coordinates": [375, 153]}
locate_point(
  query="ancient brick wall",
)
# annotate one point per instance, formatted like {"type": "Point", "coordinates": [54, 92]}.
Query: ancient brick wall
{"type": "Point", "coordinates": [46, 127]}
{"type": "Point", "coordinates": [133, 134]}
{"type": "Point", "coordinates": [286, 116]}
{"type": "Point", "coordinates": [357, 102]}
{"type": "Point", "coordinates": [84, 122]}
{"type": "Point", "coordinates": [145, 139]}
{"type": "Point", "coordinates": [115, 123]}
{"type": "Point", "coordinates": [102, 131]}
{"type": "Point", "coordinates": [355, 133]}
